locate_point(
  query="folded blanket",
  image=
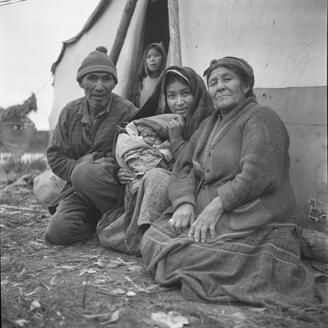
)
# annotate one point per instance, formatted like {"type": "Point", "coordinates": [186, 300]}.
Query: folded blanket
{"type": "Point", "coordinates": [126, 143]}
{"type": "Point", "coordinates": [142, 160]}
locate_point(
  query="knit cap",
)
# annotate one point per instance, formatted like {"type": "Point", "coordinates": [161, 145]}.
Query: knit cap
{"type": "Point", "coordinates": [97, 61]}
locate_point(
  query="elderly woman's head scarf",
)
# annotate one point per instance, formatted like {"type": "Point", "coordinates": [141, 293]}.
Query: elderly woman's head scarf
{"type": "Point", "coordinates": [202, 105]}
{"type": "Point", "coordinates": [240, 66]}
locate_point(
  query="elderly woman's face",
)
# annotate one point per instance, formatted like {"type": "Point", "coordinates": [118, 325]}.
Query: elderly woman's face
{"type": "Point", "coordinates": [226, 89]}
{"type": "Point", "coordinates": [179, 98]}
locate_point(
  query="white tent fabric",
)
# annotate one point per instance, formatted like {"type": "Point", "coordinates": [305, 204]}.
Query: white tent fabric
{"type": "Point", "coordinates": [102, 32]}
{"type": "Point", "coordinates": [283, 40]}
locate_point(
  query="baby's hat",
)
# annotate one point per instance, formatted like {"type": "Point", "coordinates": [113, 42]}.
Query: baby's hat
{"type": "Point", "coordinates": [159, 123]}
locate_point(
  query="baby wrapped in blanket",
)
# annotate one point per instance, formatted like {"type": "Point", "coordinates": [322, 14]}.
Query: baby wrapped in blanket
{"type": "Point", "coordinates": [142, 145]}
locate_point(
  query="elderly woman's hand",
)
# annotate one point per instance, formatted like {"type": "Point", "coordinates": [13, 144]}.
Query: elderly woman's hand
{"type": "Point", "coordinates": [125, 176]}
{"type": "Point", "coordinates": [182, 217]}
{"type": "Point", "coordinates": [176, 127]}
{"type": "Point", "coordinates": [207, 220]}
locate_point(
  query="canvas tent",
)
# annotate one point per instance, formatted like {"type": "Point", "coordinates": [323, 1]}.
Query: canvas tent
{"type": "Point", "coordinates": [284, 41]}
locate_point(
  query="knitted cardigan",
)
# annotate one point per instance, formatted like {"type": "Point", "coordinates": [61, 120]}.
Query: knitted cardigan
{"type": "Point", "coordinates": [243, 158]}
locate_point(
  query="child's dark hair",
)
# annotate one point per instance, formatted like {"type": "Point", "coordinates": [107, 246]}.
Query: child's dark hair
{"type": "Point", "coordinates": [160, 49]}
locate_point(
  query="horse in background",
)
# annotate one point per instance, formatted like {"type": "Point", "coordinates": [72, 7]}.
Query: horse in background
{"type": "Point", "coordinates": [16, 129]}
{"type": "Point", "coordinates": [17, 113]}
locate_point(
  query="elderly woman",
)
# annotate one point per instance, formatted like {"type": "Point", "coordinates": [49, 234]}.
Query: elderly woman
{"type": "Point", "coordinates": [180, 91]}
{"type": "Point", "coordinates": [229, 234]}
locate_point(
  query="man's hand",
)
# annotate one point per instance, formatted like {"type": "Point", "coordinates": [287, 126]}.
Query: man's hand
{"type": "Point", "coordinates": [207, 220]}
{"type": "Point", "coordinates": [182, 217]}
{"type": "Point", "coordinates": [176, 127]}
{"type": "Point", "coordinates": [86, 158]}
{"type": "Point", "coordinates": [125, 176]}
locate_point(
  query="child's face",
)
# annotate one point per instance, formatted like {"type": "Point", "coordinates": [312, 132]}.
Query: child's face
{"type": "Point", "coordinates": [149, 135]}
{"type": "Point", "coordinates": [153, 60]}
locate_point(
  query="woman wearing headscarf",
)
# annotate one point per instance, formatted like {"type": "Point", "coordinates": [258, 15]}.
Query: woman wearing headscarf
{"type": "Point", "coordinates": [229, 233]}
{"type": "Point", "coordinates": [181, 91]}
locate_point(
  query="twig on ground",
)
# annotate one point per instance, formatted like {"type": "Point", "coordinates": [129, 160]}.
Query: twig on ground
{"type": "Point", "coordinates": [85, 283]}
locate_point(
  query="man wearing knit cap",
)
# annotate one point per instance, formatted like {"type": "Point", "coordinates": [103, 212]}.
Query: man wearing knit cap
{"type": "Point", "coordinates": [81, 152]}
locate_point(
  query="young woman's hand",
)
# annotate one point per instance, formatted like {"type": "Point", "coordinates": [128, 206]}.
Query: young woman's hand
{"type": "Point", "coordinates": [176, 127]}
{"type": "Point", "coordinates": [125, 176]}
{"type": "Point", "coordinates": [206, 221]}
{"type": "Point", "coordinates": [163, 145]}
{"type": "Point", "coordinates": [182, 217]}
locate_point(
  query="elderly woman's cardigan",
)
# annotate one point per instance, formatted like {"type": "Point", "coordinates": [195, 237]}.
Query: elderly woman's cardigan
{"type": "Point", "coordinates": [243, 158]}
{"type": "Point", "coordinates": [254, 256]}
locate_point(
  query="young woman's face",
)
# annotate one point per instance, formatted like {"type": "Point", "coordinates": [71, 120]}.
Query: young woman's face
{"type": "Point", "coordinates": [153, 60]}
{"type": "Point", "coordinates": [226, 89]}
{"type": "Point", "coordinates": [179, 97]}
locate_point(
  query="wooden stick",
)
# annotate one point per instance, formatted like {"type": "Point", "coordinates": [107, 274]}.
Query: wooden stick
{"type": "Point", "coordinates": [175, 42]}
{"type": "Point", "coordinates": [122, 30]}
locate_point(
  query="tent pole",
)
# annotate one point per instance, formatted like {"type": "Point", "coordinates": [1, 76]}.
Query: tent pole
{"type": "Point", "coordinates": [122, 30]}
{"type": "Point", "coordinates": [175, 43]}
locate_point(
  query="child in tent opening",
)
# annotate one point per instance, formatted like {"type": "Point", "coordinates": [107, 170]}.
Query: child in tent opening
{"type": "Point", "coordinates": [154, 60]}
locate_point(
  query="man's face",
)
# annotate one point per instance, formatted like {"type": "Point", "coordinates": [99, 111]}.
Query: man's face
{"type": "Point", "coordinates": [98, 87]}
{"type": "Point", "coordinates": [226, 89]}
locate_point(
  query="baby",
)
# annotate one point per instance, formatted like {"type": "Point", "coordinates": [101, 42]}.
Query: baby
{"type": "Point", "coordinates": [149, 135]}
{"type": "Point", "coordinates": [140, 148]}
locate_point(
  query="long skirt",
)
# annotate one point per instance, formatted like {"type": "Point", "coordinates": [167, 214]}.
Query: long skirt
{"type": "Point", "coordinates": [144, 202]}
{"type": "Point", "coordinates": [262, 267]}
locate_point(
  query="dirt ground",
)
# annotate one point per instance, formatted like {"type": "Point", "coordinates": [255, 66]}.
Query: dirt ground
{"type": "Point", "coordinates": [85, 285]}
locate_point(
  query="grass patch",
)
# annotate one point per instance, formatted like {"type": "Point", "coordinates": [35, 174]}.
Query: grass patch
{"type": "Point", "coordinates": [14, 165]}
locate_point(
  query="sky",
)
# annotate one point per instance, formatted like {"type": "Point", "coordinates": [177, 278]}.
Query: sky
{"type": "Point", "coordinates": [31, 34]}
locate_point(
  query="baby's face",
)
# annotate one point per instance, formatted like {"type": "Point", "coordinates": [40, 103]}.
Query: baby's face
{"type": "Point", "coordinates": [149, 135]}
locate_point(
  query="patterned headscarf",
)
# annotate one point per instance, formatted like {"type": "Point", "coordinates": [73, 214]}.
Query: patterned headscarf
{"type": "Point", "coordinates": [202, 106]}
{"type": "Point", "coordinates": [240, 66]}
